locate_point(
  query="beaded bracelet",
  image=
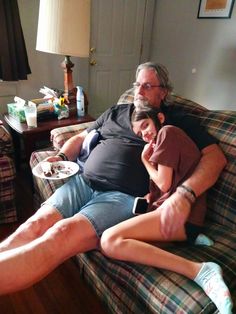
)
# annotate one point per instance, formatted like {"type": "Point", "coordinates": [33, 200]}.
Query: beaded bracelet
{"type": "Point", "coordinates": [187, 188]}
{"type": "Point", "coordinates": [187, 193]}
{"type": "Point", "coordinates": [63, 156]}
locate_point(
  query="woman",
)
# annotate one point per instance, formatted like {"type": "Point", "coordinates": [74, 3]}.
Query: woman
{"type": "Point", "coordinates": [169, 157]}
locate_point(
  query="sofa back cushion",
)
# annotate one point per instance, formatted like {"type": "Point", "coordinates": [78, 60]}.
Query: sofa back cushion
{"type": "Point", "coordinates": [221, 198]}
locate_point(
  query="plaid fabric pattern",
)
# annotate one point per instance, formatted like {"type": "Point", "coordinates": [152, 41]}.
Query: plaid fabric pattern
{"type": "Point", "coordinates": [222, 196]}
{"type": "Point", "coordinates": [184, 104]}
{"type": "Point", "coordinates": [6, 146]}
{"type": "Point", "coordinates": [60, 135]}
{"type": "Point", "coordinates": [7, 179]}
{"type": "Point", "coordinates": [127, 97]}
{"type": "Point", "coordinates": [132, 288]}
{"type": "Point", "coordinates": [7, 167]}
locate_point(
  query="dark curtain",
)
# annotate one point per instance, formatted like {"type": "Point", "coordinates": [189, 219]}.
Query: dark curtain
{"type": "Point", "coordinates": [14, 64]}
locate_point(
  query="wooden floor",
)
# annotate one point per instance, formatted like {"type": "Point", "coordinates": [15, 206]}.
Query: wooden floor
{"type": "Point", "coordinates": [63, 291]}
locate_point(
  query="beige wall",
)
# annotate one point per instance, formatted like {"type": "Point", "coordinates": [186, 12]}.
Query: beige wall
{"type": "Point", "coordinates": [45, 67]}
{"type": "Point", "coordinates": [180, 41]}
{"type": "Point", "coordinates": [184, 43]}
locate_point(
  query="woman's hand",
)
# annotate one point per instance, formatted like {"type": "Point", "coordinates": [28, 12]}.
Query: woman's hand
{"type": "Point", "coordinates": [147, 197]}
{"type": "Point", "coordinates": [147, 151]}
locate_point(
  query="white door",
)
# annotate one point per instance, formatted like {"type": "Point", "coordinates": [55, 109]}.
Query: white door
{"type": "Point", "coordinates": [120, 38]}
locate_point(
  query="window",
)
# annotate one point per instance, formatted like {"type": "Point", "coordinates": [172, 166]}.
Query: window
{"type": "Point", "coordinates": [14, 64]}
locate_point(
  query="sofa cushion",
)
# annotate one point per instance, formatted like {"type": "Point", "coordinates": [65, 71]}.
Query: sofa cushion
{"type": "Point", "coordinates": [222, 196]}
{"type": "Point", "coordinates": [182, 103]}
{"type": "Point", "coordinates": [60, 135]}
{"type": "Point", "coordinates": [133, 288]}
{"type": "Point", "coordinates": [7, 190]}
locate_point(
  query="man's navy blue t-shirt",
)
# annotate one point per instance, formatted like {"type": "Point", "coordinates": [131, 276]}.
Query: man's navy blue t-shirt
{"type": "Point", "coordinates": [115, 163]}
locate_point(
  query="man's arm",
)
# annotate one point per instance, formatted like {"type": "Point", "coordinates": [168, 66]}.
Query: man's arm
{"type": "Point", "coordinates": [71, 148]}
{"type": "Point", "coordinates": [175, 210]}
{"type": "Point", "coordinates": [208, 170]}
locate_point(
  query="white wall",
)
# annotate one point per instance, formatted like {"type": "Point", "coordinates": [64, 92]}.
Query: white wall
{"type": "Point", "coordinates": [46, 69]}
{"type": "Point", "coordinates": [183, 42]}
{"type": "Point", "coordinates": [180, 41]}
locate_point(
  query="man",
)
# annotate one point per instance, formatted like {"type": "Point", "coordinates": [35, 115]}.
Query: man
{"type": "Point", "coordinates": [72, 220]}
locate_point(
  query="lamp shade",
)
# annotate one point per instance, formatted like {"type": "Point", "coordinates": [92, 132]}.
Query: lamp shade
{"type": "Point", "coordinates": [64, 27]}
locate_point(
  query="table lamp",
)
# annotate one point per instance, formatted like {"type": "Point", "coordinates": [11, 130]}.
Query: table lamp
{"type": "Point", "coordinates": [64, 29]}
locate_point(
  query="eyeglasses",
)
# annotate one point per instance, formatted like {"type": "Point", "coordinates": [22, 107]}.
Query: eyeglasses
{"type": "Point", "coordinates": [146, 86]}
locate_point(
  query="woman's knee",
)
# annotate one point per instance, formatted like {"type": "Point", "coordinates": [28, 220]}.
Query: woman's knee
{"type": "Point", "coordinates": [110, 243]}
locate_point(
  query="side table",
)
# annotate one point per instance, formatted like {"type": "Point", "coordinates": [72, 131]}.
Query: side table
{"type": "Point", "coordinates": [31, 136]}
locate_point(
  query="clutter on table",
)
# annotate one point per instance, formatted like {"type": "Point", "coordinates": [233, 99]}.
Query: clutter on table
{"type": "Point", "coordinates": [52, 105]}
{"type": "Point", "coordinates": [16, 109]}
{"type": "Point", "coordinates": [60, 108]}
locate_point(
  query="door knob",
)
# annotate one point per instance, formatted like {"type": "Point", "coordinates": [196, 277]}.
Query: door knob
{"type": "Point", "coordinates": [92, 50]}
{"type": "Point", "coordinates": [93, 62]}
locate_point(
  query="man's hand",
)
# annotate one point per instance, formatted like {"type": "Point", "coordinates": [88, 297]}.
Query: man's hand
{"type": "Point", "coordinates": [53, 158]}
{"type": "Point", "coordinates": [173, 214]}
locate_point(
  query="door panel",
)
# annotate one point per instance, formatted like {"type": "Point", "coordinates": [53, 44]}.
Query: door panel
{"type": "Point", "coordinates": [116, 36]}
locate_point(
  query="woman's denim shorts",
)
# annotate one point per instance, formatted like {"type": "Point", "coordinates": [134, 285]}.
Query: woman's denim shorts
{"type": "Point", "coordinates": [102, 209]}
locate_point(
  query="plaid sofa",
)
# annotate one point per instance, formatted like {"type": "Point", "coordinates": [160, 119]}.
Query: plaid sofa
{"type": "Point", "coordinates": [133, 288]}
{"type": "Point", "coordinates": [7, 178]}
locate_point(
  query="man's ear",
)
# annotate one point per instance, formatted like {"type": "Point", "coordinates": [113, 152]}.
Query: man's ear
{"type": "Point", "coordinates": [161, 117]}
{"type": "Point", "coordinates": [164, 93]}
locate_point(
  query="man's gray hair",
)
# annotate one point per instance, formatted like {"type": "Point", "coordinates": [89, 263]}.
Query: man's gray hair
{"type": "Point", "coordinates": [161, 73]}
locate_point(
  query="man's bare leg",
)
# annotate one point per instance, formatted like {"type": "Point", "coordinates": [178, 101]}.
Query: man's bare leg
{"type": "Point", "coordinates": [32, 228]}
{"type": "Point", "coordinates": [23, 266]}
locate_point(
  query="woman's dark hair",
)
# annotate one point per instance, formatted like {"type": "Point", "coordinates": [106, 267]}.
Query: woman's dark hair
{"type": "Point", "coordinates": [146, 112]}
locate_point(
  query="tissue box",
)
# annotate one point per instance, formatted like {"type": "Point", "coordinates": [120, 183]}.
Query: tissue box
{"type": "Point", "coordinates": [16, 111]}
{"type": "Point", "coordinates": [45, 108]}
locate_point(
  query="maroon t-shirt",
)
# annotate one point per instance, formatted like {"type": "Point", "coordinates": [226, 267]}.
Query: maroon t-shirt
{"type": "Point", "coordinates": [176, 150]}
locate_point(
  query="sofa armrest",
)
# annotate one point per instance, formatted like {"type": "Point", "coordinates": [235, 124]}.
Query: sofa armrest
{"type": "Point", "coordinates": [60, 135]}
{"type": "Point", "coordinates": [6, 146]}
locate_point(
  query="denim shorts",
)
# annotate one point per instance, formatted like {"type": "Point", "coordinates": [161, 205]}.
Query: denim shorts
{"type": "Point", "coordinates": [102, 209]}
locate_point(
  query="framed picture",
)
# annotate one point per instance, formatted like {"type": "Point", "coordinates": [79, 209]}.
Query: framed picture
{"type": "Point", "coordinates": [215, 9]}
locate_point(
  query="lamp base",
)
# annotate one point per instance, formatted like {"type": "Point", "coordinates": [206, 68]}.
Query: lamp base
{"type": "Point", "coordinates": [70, 90]}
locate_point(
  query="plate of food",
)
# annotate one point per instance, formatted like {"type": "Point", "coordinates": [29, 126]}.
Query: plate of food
{"type": "Point", "coordinates": [55, 170]}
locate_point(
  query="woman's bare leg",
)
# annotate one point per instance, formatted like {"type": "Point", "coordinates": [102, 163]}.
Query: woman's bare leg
{"type": "Point", "coordinates": [126, 241]}
{"type": "Point", "coordinates": [32, 228]}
